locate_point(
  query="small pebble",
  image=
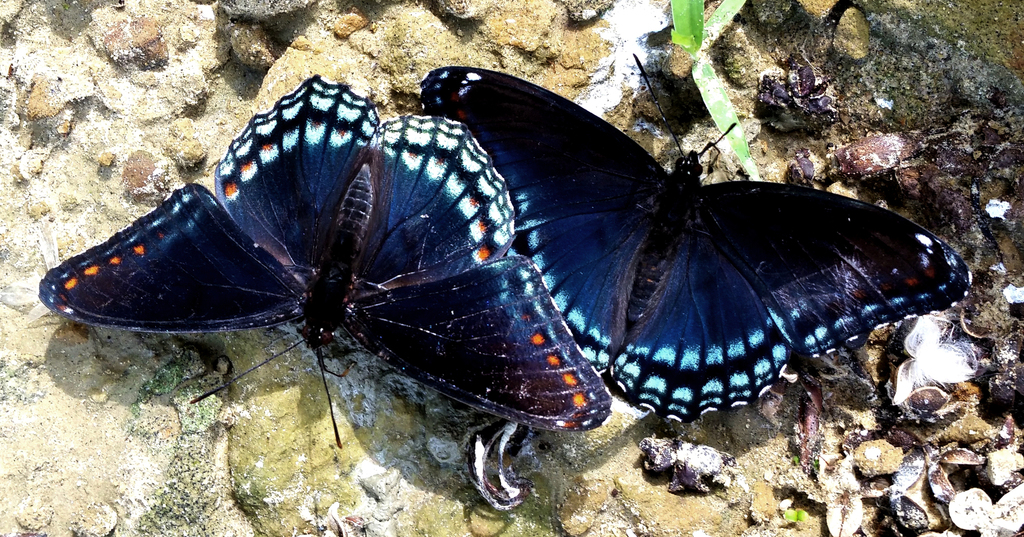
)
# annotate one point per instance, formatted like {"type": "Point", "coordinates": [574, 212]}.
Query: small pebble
{"type": "Point", "coordinates": [877, 457]}
{"type": "Point", "coordinates": [33, 514]}
{"type": "Point", "coordinates": [585, 10]}
{"type": "Point", "coordinates": [43, 98]}
{"type": "Point", "coordinates": [261, 10]}
{"type": "Point", "coordinates": [252, 46]}
{"type": "Point", "coordinates": [875, 154]}
{"type": "Point", "coordinates": [350, 23]}
{"type": "Point", "coordinates": [136, 42]}
{"type": "Point", "coordinates": [143, 178]}
{"type": "Point", "coordinates": [970, 510]}
{"type": "Point", "coordinates": [466, 9]}
{"type": "Point", "coordinates": [1002, 464]}
{"type": "Point", "coordinates": [182, 145]}
{"type": "Point", "coordinates": [105, 158]}
{"type": "Point", "coordinates": [853, 34]}
{"type": "Point", "coordinates": [31, 162]}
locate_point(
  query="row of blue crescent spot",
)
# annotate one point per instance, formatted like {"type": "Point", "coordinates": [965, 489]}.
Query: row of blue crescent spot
{"type": "Point", "coordinates": [505, 248]}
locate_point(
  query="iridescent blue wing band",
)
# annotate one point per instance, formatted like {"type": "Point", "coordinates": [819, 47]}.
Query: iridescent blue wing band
{"type": "Point", "coordinates": [283, 175]}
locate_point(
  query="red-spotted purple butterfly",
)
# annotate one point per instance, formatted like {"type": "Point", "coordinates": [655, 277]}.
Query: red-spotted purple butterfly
{"type": "Point", "coordinates": [693, 295]}
{"type": "Point", "coordinates": [395, 231]}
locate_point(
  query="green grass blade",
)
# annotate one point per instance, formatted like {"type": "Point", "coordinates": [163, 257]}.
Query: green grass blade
{"type": "Point", "coordinates": [688, 24]}
{"type": "Point", "coordinates": [723, 15]}
{"type": "Point", "coordinates": [722, 112]}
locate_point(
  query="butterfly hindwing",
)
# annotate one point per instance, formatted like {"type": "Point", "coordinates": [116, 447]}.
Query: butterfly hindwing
{"type": "Point", "coordinates": [490, 337]}
{"type": "Point", "coordinates": [283, 175]}
{"type": "Point", "coordinates": [589, 270]}
{"type": "Point", "coordinates": [184, 267]}
{"type": "Point", "coordinates": [831, 267]}
{"type": "Point", "coordinates": [705, 340]}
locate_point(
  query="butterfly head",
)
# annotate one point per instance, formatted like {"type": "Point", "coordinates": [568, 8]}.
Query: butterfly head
{"type": "Point", "coordinates": [686, 174]}
{"type": "Point", "coordinates": [317, 336]}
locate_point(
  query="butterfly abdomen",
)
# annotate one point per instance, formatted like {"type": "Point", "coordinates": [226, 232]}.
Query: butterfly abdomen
{"type": "Point", "coordinates": [335, 278]}
{"type": "Point", "coordinates": [672, 216]}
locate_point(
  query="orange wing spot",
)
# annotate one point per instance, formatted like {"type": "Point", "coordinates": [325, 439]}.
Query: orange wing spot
{"type": "Point", "coordinates": [579, 400]}
{"type": "Point", "coordinates": [160, 235]}
{"type": "Point", "coordinates": [473, 202]}
{"type": "Point", "coordinates": [62, 307]}
{"type": "Point", "coordinates": [859, 294]}
{"type": "Point", "coordinates": [230, 190]}
{"type": "Point", "coordinates": [912, 282]}
{"type": "Point", "coordinates": [267, 148]}
{"type": "Point", "coordinates": [116, 260]}
{"type": "Point", "coordinates": [71, 283]}
{"type": "Point", "coordinates": [538, 339]}
{"type": "Point", "coordinates": [139, 249]}
{"type": "Point", "coordinates": [554, 361]}
{"type": "Point", "coordinates": [930, 272]}
{"type": "Point", "coordinates": [483, 253]}
{"type": "Point", "coordinates": [481, 226]}
{"type": "Point", "coordinates": [570, 379]}
{"type": "Point", "coordinates": [92, 271]}
{"type": "Point", "coordinates": [247, 167]}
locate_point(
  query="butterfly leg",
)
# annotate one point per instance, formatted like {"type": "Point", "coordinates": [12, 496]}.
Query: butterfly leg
{"type": "Point", "coordinates": [327, 390]}
{"type": "Point", "coordinates": [513, 489]}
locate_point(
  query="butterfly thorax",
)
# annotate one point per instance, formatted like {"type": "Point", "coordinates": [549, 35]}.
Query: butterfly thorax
{"type": "Point", "coordinates": [671, 217]}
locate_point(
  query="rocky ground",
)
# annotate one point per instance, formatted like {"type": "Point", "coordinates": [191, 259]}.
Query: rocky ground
{"type": "Point", "coordinates": [107, 106]}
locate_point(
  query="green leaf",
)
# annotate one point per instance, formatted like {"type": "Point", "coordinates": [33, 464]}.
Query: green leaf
{"type": "Point", "coordinates": [688, 24]}
{"type": "Point", "coordinates": [712, 90]}
{"type": "Point", "coordinates": [722, 16]}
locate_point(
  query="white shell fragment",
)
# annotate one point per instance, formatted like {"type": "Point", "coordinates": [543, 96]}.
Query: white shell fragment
{"type": "Point", "coordinates": [845, 516]}
{"type": "Point", "coordinates": [973, 510]}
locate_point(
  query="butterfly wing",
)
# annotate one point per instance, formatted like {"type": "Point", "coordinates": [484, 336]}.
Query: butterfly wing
{"type": "Point", "coordinates": [490, 337]}
{"type": "Point", "coordinates": [440, 204]}
{"type": "Point", "coordinates": [283, 176]}
{"type": "Point", "coordinates": [184, 267]}
{"type": "Point", "coordinates": [830, 267]}
{"type": "Point", "coordinates": [582, 191]}
{"type": "Point", "coordinates": [432, 300]}
{"type": "Point", "coordinates": [704, 341]}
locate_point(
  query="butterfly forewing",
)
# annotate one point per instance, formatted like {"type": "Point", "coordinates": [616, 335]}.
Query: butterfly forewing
{"type": "Point", "coordinates": [581, 201]}
{"type": "Point", "coordinates": [184, 267]}
{"type": "Point", "coordinates": [283, 176]}
{"type": "Point", "coordinates": [441, 203]}
{"type": "Point", "coordinates": [831, 267]}
{"type": "Point", "coordinates": [490, 337]}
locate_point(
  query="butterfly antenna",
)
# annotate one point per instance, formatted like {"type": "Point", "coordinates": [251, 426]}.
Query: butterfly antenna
{"type": "Point", "coordinates": [647, 80]}
{"type": "Point", "coordinates": [715, 143]}
{"type": "Point", "coordinates": [281, 334]}
{"type": "Point", "coordinates": [244, 373]}
{"type": "Point", "coordinates": [327, 390]}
